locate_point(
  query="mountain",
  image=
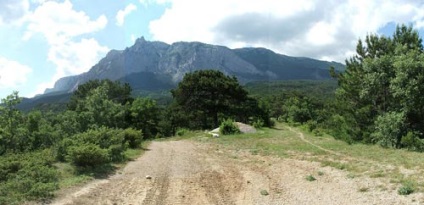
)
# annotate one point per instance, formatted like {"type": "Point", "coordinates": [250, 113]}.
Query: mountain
{"type": "Point", "coordinates": [156, 65]}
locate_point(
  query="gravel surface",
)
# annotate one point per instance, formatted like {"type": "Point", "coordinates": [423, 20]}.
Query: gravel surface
{"type": "Point", "coordinates": [186, 172]}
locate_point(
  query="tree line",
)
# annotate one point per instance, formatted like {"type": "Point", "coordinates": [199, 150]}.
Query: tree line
{"type": "Point", "coordinates": [379, 98]}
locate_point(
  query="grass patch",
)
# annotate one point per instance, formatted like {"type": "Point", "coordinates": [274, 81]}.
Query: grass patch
{"type": "Point", "coordinates": [71, 176]}
{"type": "Point", "coordinates": [356, 159]}
{"type": "Point", "coordinates": [363, 189]}
{"type": "Point", "coordinates": [310, 178]}
{"type": "Point", "coordinates": [406, 189]}
{"type": "Point", "coordinates": [132, 154]}
{"type": "Point", "coordinates": [378, 174]}
{"type": "Point", "coordinates": [338, 165]}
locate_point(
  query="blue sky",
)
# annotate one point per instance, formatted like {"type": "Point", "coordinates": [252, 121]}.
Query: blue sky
{"type": "Point", "coordinates": [44, 40]}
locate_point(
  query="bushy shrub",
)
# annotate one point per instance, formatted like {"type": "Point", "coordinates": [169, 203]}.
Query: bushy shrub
{"type": "Point", "coordinates": [61, 148]}
{"type": "Point", "coordinates": [29, 176]}
{"type": "Point", "coordinates": [102, 145]}
{"type": "Point", "coordinates": [406, 189]}
{"type": "Point", "coordinates": [259, 123]}
{"type": "Point", "coordinates": [133, 137]}
{"type": "Point", "coordinates": [412, 142]}
{"type": "Point", "coordinates": [116, 153]}
{"type": "Point", "coordinates": [104, 137]}
{"type": "Point", "coordinates": [389, 129]}
{"type": "Point", "coordinates": [181, 131]}
{"type": "Point", "coordinates": [228, 127]}
{"type": "Point", "coordinates": [312, 125]}
{"type": "Point", "coordinates": [87, 155]}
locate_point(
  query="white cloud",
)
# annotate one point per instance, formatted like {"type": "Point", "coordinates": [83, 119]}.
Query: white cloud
{"type": "Point", "coordinates": [63, 27]}
{"type": "Point", "coordinates": [133, 38]}
{"type": "Point", "coordinates": [120, 16]}
{"type": "Point", "coordinates": [12, 73]}
{"type": "Point", "coordinates": [59, 22]}
{"type": "Point", "coordinates": [12, 11]}
{"type": "Point", "coordinates": [320, 29]}
{"type": "Point", "coordinates": [75, 57]}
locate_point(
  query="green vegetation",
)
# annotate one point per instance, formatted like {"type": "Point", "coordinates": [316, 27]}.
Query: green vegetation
{"type": "Point", "coordinates": [377, 102]}
{"type": "Point", "coordinates": [102, 126]}
{"type": "Point", "coordinates": [380, 96]}
{"type": "Point", "coordinates": [42, 151]}
{"type": "Point", "coordinates": [205, 97]}
{"type": "Point", "coordinates": [310, 178]}
{"type": "Point", "coordinates": [228, 127]}
{"type": "Point", "coordinates": [356, 160]}
{"type": "Point", "coordinates": [27, 176]}
{"type": "Point", "coordinates": [406, 189]}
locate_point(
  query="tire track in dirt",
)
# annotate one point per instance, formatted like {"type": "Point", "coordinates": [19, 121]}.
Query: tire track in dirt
{"type": "Point", "coordinates": [186, 172]}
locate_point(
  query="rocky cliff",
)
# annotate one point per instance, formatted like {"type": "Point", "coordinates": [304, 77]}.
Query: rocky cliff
{"type": "Point", "coordinates": [156, 63]}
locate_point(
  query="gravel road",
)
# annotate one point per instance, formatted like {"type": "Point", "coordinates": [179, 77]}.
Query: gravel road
{"type": "Point", "coordinates": [187, 172]}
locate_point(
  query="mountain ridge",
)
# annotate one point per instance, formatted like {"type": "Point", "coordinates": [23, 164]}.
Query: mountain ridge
{"type": "Point", "coordinates": [168, 63]}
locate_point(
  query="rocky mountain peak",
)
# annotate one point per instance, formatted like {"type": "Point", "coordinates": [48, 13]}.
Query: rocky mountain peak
{"type": "Point", "coordinates": [140, 40]}
{"type": "Point", "coordinates": [149, 63]}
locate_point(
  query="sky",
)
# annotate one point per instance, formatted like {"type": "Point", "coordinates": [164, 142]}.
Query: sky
{"type": "Point", "coordinates": [44, 40]}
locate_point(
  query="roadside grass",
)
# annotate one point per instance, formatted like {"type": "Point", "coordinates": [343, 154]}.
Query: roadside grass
{"type": "Point", "coordinates": [69, 176]}
{"type": "Point", "coordinates": [398, 166]}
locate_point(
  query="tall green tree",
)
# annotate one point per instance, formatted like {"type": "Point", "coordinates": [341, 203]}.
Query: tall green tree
{"type": "Point", "coordinates": [203, 96]}
{"type": "Point", "coordinates": [97, 109]}
{"type": "Point", "coordinates": [381, 92]}
{"type": "Point", "coordinates": [144, 115]}
{"type": "Point", "coordinates": [13, 135]}
{"type": "Point", "coordinates": [115, 91]}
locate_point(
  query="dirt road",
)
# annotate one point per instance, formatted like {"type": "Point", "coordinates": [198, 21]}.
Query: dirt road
{"type": "Point", "coordinates": [186, 172]}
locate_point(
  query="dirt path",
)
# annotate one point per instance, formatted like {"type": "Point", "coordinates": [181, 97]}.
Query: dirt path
{"type": "Point", "coordinates": [302, 137]}
{"type": "Point", "coordinates": [185, 172]}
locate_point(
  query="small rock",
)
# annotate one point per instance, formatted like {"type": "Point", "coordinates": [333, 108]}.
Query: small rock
{"type": "Point", "coordinates": [148, 177]}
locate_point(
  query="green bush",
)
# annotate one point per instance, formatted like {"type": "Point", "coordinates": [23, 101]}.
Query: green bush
{"type": "Point", "coordinates": [228, 127]}
{"type": "Point", "coordinates": [104, 137]}
{"type": "Point", "coordinates": [259, 123]}
{"type": "Point", "coordinates": [61, 149]}
{"type": "Point", "coordinates": [29, 176]}
{"type": "Point", "coordinates": [98, 146]}
{"type": "Point", "coordinates": [389, 129]}
{"type": "Point", "coordinates": [87, 155]}
{"type": "Point", "coordinates": [310, 178]}
{"type": "Point", "coordinates": [412, 142]}
{"type": "Point", "coordinates": [312, 125]}
{"type": "Point", "coordinates": [116, 153]}
{"type": "Point", "coordinates": [181, 131]}
{"type": "Point", "coordinates": [406, 189]}
{"type": "Point", "coordinates": [133, 137]}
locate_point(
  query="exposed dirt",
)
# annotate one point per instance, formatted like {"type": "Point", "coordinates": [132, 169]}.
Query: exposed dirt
{"type": "Point", "coordinates": [186, 172]}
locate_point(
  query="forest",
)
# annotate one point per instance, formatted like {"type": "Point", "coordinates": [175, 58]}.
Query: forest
{"type": "Point", "coordinates": [378, 99]}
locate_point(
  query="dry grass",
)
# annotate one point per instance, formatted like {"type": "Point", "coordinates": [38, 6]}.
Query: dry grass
{"type": "Point", "coordinates": [397, 166]}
